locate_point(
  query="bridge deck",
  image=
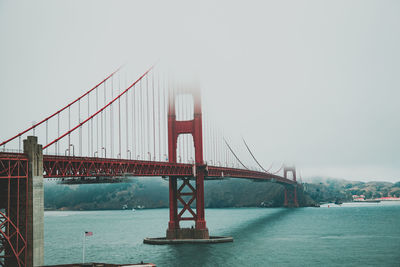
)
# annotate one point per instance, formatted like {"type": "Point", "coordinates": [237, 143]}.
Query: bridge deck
{"type": "Point", "coordinates": [68, 166]}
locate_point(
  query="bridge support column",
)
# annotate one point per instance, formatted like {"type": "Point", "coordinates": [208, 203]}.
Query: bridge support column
{"type": "Point", "coordinates": [35, 203]}
{"type": "Point", "coordinates": [187, 193]}
{"type": "Point", "coordinates": [290, 191]}
{"type": "Point", "coordinates": [173, 205]}
{"type": "Point", "coordinates": [290, 194]}
{"type": "Point", "coordinates": [200, 219]}
{"type": "Point", "coordinates": [184, 190]}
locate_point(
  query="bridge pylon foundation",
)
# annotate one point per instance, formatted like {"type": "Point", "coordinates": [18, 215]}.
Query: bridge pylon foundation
{"type": "Point", "coordinates": [187, 233]}
{"type": "Point", "coordinates": [290, 194]}
{"type": "Point", "coordinates": [35, 203]}
{"type": "Point", "coordinates": [187, 194]}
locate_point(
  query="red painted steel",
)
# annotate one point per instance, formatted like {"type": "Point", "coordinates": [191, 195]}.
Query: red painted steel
{"type": "Point", "coordinates": [13, 204]}
{"type": "Point", "coordinates": [63, 166]}
{"type": "Point", "coordinates": [13, 165]}
{"type": "Point", "coordinates": [176, 128]}
{"type": "Point", "coordinates": [217, 172]}
{"type": "Point", "coordinates": [290, 192]}
{"type": "Point", "coordinates": [287, 170]}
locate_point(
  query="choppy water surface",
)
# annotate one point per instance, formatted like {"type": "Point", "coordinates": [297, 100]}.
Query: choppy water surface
{"type": "Point", "coordinates": [350, 235]}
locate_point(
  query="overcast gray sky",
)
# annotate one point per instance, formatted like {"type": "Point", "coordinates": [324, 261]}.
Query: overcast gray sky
{"type": "Point", "coordinates": [311, 83]}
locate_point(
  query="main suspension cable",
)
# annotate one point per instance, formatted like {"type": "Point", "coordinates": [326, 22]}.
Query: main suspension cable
{"type": "Point", "coordinates": [279, 169]}
{"type": "Point", "coordinates": [251, 153]}
{"type": "Point", "coordinates": [62, 109]}
{"type": "Point", "coordinates": [99, 111]}
{"type": "Point", "coordinates": [235, 154]}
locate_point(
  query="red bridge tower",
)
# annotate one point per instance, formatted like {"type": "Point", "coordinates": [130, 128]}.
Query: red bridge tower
{"type": "Point", "coordinates": [187, 193]}
{"type": "Point", "coordinates": [290, 191]}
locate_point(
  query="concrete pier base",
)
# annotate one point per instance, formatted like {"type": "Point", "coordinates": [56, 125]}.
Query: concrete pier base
{"type": "Point", "coordinates": [35, 203]}
{"type": "Point", "coordinates": [166, 241]}
{"type": "Point", "coordinates": [187, 233]}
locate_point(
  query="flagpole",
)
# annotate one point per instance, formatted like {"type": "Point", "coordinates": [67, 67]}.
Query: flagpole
{"type": "Point", "coordinates": [83, 249]}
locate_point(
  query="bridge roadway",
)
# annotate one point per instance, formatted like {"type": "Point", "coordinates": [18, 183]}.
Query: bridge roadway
{"type": "Point", "coordinates": [14, 164]}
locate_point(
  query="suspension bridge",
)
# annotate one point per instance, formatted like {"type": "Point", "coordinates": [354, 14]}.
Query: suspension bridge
{"type": "Point", "coordinates": [151, 126]}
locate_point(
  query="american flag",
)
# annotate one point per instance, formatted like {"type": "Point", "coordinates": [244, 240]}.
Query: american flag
{"type": "Point", "coordinates": [88, 233]}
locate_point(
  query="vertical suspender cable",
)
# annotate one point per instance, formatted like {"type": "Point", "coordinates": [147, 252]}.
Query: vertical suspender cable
{"type": "Point", "coordinates": [88, 113]}
{"type": "Point", "coordinates": [148, 115]}
{"type": "Point", "coordinates": [205, 136]}
{"type": "Point", "coordinates": [69, 126]}
{"type": "Point", "coordinates": [133, 124]}
{"type": "Point", "coordinates": [163, 114]}
{"type": "Point", "coordinates": [112, 120]}
{"type": "Point", "coordinates": [178, 115]}
{"type": "Point", "coordinates": [137, 121]}
{"type": "Point", "coordinates": [101, 133]}
{"type": "Point", "coordinates": [209, 138]}
{"type": "Point", "coordinates": [225, 152]}
{"type": "Point", "coordinates": [154, 119]}
{"type": "Point", "coordinates": [58, 133]}
{"type": "Point", "coordinates": [159, 117]}
{"type": "Point", "coordinates": [80, 128]}
{"type": "Point", "coordinates": [215, 145]}
{"type": "Point", "coordinates": [182, 116]}
{"type": "Point", "coordinates": [97, 122]}
{"type": "Point", "coordinates": [119, 117]}
{"type": "Point", "coordinates": [127, 121]}
{"type": "Point", "coordinates": [47, 135]}
{"type": "Point", "coordinates": [218, 148]}
{"type": "Point", "coordinates": [188, 149]}
{"type": "Point", "coordinates": [91, 138]}
{"type": "Point", "coordinates": [105, 124]}
{"type": "Point", "coordinates": [141, 140]}
{"type": "Point", "coordinates": [220, 152]}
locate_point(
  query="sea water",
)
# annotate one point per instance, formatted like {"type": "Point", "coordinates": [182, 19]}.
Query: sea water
{"type": "Point", "coordinates": [359, 234]}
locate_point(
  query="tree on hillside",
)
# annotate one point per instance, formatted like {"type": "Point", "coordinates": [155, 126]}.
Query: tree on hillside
{"type": "Point", "coordinates": [396, 193]}
{"type": "Point", "coordinates": [368, 195]}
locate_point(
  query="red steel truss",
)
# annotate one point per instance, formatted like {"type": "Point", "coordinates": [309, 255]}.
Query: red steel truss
{"type": "Point", "coordinates": [181, 194]}
{"type": "Point", "coordinates": [221, 172]}
{"type": "Point", "coordinates": [63, 166]}
{"type": "Point", "coordinates": [13, 165]}
{"type": "Point", "coordinates": [13, 203]}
